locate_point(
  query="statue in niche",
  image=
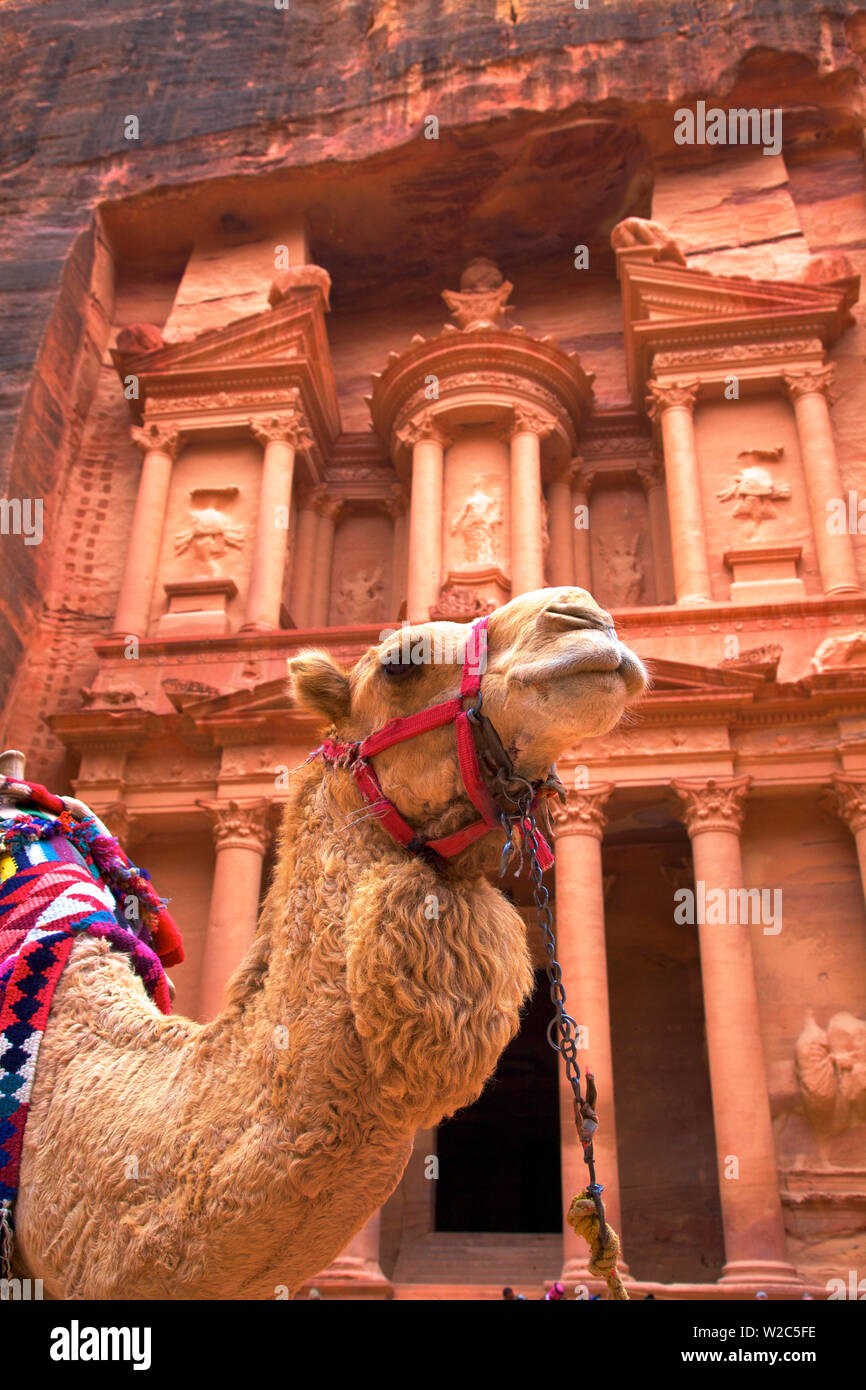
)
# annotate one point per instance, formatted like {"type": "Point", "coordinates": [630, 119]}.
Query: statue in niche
{"type": "Point", "coordinates": [831, 1072]}
{"type": "Point", "coordinates": [624, 572]}
{"type": "Point", "coordinates": [482, 301]}
{"type": "Point", "coordinates": [358, 597]}
{"type": "Point", "coordinates": [211, 535]}
{"type": "Point", "coordinates": [753, 487]}
{"type": "Point", "coordinates": [477, 523]}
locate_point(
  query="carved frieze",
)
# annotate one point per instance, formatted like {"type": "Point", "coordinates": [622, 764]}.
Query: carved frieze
{"type": "Point", "coordinates": [737, 352]}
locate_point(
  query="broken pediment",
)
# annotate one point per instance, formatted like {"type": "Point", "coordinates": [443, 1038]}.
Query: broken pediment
{"type": "Point", "coordinates": [676, 316]}
{"type": "Point", "coordinates": [251, 363]}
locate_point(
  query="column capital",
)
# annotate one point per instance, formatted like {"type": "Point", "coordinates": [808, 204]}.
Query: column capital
{"type": "Point", "coordinates": [526, 420]}
{"type": "Point", "coordinates": [847, 798]}
{"type": "Point", "coordinates": [426, 428]}
{"type": "Point", "coordinates": [287, 427]}
{"type": "Point", "coordinates": [582, 814]}
{"type": "Point", "coordinates": [810, 381]}
{"type": "Point", "coordinates": [396, 501]}
{"type": "Point", "coordinates": [582, 474]}
{"type": "Point", "coordinates": [712, 803]}
{"type": "Point", "coordinates": [156, 439]}
{"type": "Point", "coordinates": [240, 824]}
{"type": "Point", "coordinates": [668, 395]}
{"type": "Point", "coordinates": [650, 473]}
{"type": "Point", "coordinates": [327, 505]}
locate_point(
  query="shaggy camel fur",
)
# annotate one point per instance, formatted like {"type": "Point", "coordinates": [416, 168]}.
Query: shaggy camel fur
{"type": "Point", "coordinates": [166, 1158]}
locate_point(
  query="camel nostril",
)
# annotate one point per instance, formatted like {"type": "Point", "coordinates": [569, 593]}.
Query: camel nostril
{"type": "Point", "coordinates": [578, 616]}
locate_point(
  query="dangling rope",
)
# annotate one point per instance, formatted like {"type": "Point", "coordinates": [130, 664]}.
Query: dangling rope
{"type": "Point", "coordinates": [586, 1213]}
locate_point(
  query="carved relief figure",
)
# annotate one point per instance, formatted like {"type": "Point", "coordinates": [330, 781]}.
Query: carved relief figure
{"type": "Point", "coordinates": [460, 605]}
{"type": "Point", "coordinates": [640, 231]}
{"type": "Point", "coordinates": [840, 649]}
{"type": "Point", "coordinates": [358, 595]}
{"type": "Point", "coordinates": [753, 487]}
{"type": "Point", "coordinates": [207, 540]}
{"type": "Point", "coordinates": [482, 301]}
{"type": "Point", "coordinates": [831, 1072]}
{"type": "Point", "coordinates": [477, 523]}
{"type": "Point", "coordinates": [624, 572]}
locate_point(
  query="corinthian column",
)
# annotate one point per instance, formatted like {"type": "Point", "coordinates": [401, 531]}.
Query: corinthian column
{"type": "Point", "coordinates": [527, 546]}
{"type": "Point", "coordinates": [300, 599]}
{"type": "Point", "coordinates": [848, 800]}
{"type": "Point", "coordinates": [809, 391]}
{"type": "Point", "coordinates": [580, 937]}
{"type": "Point", "coordinates": [159, 446]}
{"type": "Point", "coordinates": [652, 477]}
{"type": "Point", "coordinates": [396, 505]}
{"type": "Point", "coordinates": [755, 1248]}
{"type": "Point", "coordinates": [329, 509]}
{"type": "Point", "coordinates": [241, 836]}
{"type": "Point", "coordinates": [672, 405]}
{"type": "Point", "coordinates": [280, 435]}
{"type": "Point", "coordinates": [581, 483]}
{"type": "Point", "coordinates": [428, 442]}
{"type": "Point", "coordinates": [561, 559]}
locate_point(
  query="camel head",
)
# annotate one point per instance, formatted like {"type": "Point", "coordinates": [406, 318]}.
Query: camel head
{"type": "Point", "coordinates": [556, 673]}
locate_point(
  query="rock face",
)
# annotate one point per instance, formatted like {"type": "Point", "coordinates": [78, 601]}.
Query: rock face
{"type": "Point", "coordinates": [221, 91]}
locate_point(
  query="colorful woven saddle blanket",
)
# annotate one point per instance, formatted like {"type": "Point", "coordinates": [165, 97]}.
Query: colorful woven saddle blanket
{"type": "Point", "coordinates": [60, 876]}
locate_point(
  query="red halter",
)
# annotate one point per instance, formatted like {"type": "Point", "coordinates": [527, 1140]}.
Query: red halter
{"type": "Point", "coordinates": [355, 757]}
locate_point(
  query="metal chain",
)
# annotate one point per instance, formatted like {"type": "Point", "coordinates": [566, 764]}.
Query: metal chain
{"type": "Point", "coordinates": [585, 1117]}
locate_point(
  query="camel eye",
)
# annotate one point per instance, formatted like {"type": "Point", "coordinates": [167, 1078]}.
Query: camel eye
{"type": "Point", "coordinates": [398, 670]}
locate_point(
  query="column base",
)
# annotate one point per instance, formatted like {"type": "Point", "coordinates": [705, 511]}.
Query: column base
{"type": "Point", "coordinates": [694, 600]}
{"type": "Point", "coordinates": [576, 1271]}
{"type": "Point", "coordinates": [761, 1272]}
{"type": "Point", "coordinates": [349, 1277]}
{"type": "Point", "coordinates": [837, 589]}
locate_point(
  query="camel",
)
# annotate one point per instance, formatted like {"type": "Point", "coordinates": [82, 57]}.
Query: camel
{"type": "Point", "coordinates": [166, 1158]}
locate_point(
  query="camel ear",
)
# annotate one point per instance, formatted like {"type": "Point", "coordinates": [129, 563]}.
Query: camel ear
{"type": "Point", "coordinates": [320, 685]}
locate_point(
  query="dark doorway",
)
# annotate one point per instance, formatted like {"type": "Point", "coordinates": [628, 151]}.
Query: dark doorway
{"type": "Point", "coordinates": [499, 1158]}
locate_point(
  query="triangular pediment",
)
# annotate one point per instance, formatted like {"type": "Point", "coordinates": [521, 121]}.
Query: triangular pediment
{"type": "Point", "coordinates": [662, 291]}
{"type": "Point", "coordinates": [273, 335]}
{"type": "Point", "coordinates": [668, 676]}
{"type": "Point", "coordinates": [262, 357]}
{"type": "Point", "coordinates": [698, 318]}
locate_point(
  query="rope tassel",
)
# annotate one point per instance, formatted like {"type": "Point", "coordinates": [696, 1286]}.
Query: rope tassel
{"type": "Point", "coordinates": [603, 1256]}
